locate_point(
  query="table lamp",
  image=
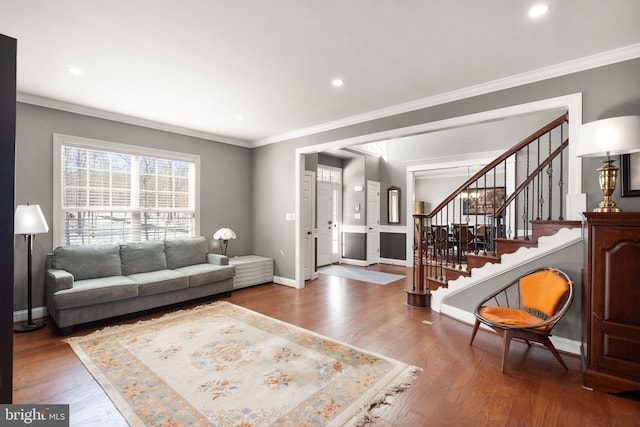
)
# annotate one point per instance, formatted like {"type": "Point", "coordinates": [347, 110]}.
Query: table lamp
{"type": "Point", "coordinates": [223, 236]}
{"type": "Point", "coordinates": [609, 137]}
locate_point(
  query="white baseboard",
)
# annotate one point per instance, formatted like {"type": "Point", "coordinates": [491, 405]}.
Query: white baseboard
{"type": "Point", "coordinates": [358, 262]}
{"type": "Point", "coordinates": [393, 261]}
{"type": "Point", "coordinates": [284, 281]}
{"type": "Point", "coordinates": [562, 344]}
{"type": "Point", "coordinates": [36, 313]}
{"type": "Point", "coordinates": [566, 345]}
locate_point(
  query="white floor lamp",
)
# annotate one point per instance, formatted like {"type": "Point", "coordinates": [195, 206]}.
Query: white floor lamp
{"type": "Point", "coordinates": [29, 221]}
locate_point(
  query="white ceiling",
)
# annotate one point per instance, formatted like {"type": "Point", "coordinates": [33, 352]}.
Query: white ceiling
{"type": "Point", "coordinates": [196, 64]}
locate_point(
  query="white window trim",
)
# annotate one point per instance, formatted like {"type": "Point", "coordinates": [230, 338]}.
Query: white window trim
{"type": "Point", "coordinates": [60, 139]}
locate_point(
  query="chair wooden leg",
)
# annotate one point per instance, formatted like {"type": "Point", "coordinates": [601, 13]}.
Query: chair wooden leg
{"type": "Point", "coordinates": [475, 331]}
{"type": "Point", "coordinates": [547, 343]}
{"type": "Point", "coordinates": [505, 349]}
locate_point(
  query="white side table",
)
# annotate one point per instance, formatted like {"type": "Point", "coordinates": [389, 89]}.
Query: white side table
{"type": "Point", "coordinates": [251, 270]}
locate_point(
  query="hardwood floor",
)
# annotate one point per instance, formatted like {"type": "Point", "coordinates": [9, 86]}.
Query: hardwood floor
{"type": "Point", "coordinates": [460, 385]}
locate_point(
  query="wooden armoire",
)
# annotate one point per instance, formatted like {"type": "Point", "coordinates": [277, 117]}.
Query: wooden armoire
{"type": "Point", "coordinates": [611, 302]}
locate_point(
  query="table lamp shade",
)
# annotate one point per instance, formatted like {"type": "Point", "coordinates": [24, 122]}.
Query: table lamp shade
{"type": "Point", "coordinates": [224, 234]}
{"type": "Point", "coordinates": [610, 137]}
{"type": "Point", "coordinates": [606, 138]}
{"type": "Point", "coordinates": [28, 219]}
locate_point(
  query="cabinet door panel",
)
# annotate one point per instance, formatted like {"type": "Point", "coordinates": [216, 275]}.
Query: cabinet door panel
{"type": "Point", "coordinates": [615, 318]}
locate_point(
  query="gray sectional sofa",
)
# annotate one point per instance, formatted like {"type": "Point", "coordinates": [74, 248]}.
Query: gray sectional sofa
{"type": "Point", "coordinates": [88, 283]}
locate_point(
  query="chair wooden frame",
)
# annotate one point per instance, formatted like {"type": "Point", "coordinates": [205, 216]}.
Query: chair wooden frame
{"type": "Point", "coordinates": [509, 297]}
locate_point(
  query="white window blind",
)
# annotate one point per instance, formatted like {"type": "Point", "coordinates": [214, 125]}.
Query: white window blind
{"type": "Point", "coordinates": [113, 193]}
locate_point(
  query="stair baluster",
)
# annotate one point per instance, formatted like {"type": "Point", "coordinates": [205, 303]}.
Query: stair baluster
{"type": "Point", "coordinates": [503, 215]}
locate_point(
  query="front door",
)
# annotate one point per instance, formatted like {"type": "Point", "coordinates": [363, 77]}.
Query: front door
{"type": "Point", "coordinates": [325, 222]}
{"type": "Point", "coordinates": [373, 222]}
{"type": "Point", "coordinates": [329, 218]}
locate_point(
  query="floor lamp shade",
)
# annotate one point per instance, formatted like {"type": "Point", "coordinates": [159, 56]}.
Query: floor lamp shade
{"type": "Point", "coordinates": [606, 138]}
{"type": "Point", "coordinates": [29, 221]}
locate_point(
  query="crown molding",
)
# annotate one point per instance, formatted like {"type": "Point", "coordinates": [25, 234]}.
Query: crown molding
{"type": "Point", "coordinates": [602, 59]}
{"type": "Point", "coordinates": [123, 118]}
{"type": "Point", "coordinates": [594, 61]}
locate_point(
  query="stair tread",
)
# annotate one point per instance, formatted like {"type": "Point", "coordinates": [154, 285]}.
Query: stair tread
{"type": "Point", "coordinates": [503, 246]}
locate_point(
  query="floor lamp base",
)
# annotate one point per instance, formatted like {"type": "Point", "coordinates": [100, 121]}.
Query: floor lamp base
{"type": "Point", "coordinates": [29, 327]}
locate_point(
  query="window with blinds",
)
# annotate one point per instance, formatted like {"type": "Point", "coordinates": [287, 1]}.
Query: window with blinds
{"type": "Point", "coordinates": [113, 193]}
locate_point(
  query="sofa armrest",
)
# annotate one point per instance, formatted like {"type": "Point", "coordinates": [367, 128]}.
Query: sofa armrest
{"type": "Point", "coordinates": [58, 280]}
{"type": "Point", "coordinates": [217, 259]}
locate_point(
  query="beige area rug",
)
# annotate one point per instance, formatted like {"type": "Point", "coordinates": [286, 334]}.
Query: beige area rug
{"type": "Point", "coordinates": [224, 365]}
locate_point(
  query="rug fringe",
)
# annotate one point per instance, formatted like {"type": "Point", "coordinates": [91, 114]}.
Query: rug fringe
{"type": "Point", "coordinates": [364, 415]}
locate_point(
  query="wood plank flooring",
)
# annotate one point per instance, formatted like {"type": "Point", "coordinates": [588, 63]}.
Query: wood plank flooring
{"type": "Point", "coordinates": [460, 385]}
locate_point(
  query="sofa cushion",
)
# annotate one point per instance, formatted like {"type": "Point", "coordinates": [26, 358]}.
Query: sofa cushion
{"type": "Point", "coordinates": [157, 282]}
{"type": "Point", "coordinates": [142, 257]}
{"type": "Point", "coordinates": [88, 262]}
{"type": "Point", "coordinates": [201, 274]}
{"type": "Point", "coordinates": [96, 291]}
{"type": "Point", "coordinates": [183, 252]}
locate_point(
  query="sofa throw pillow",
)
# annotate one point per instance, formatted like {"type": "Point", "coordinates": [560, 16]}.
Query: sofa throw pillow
{"type": "Point", "coordinates": [183, 252]}
{"type": "Point", "coordinates": [88, 262]}
{"type": "Point", "coordinates": [142, 257]}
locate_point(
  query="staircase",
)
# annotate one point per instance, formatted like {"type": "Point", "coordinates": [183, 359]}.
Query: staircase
{"type": "Point", "coordinates": [508, 200]}
{"type": "Point", "coordinates": [541, 228]}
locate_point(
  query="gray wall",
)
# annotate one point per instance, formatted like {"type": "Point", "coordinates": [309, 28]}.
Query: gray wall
{"type": "Point", "coordinates": [493, 136]}
{"type": "Point", "coordinates": [609, 91]}
{"type": "Point", "coordinates": [432, 191]}
{"type": "Point", "coordinates": [328, 160]}
{"type": "Point", "coordinates": [274, 197]}
{"type": "Point", "coordinates": [226, 178]}
{"type": "Point", "coordinates": [353, 174]}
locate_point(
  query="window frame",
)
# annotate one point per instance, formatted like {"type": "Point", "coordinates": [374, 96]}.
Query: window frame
{"type": "Point", "coordinates": [94, 144]}
{"type": "Point", "coordinates": [333, 171]}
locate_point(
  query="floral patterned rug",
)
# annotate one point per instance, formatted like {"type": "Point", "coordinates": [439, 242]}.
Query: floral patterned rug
{"type": "Point", "coordinates": [224, 365]}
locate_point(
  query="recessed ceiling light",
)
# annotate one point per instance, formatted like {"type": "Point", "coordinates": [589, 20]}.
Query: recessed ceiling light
{"type": "Point", "coordinates": [337, 82]}
{"type": "Point", "coordinates": [75, 71]}
{"type": "Point", "coordinates": [239, 117]}
{"type": "Point", "coordinates": [538, 10]}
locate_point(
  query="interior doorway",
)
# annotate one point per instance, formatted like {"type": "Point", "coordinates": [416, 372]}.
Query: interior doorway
{"type": "Point", "coordinates": [576, 200]}
{"type": "Point", "coordinates": [308, 209]}
{"type": "Point", "coordinates": [373, 222]}
{"type": "Point", "coordinates": [329, 218]}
